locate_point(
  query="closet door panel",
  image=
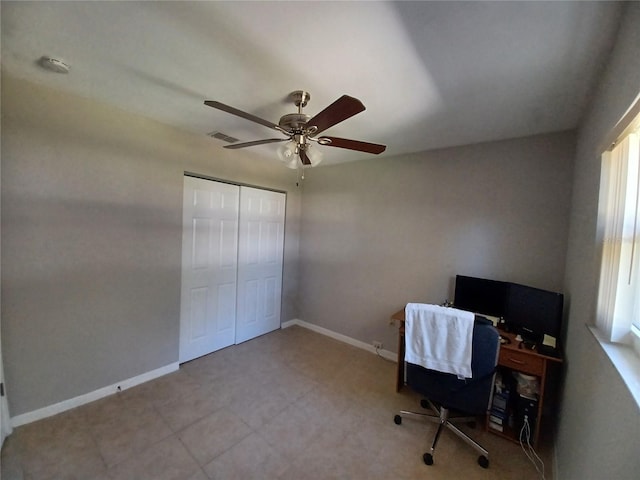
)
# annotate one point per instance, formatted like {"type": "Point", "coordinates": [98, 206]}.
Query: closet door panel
{"type": "Point", "coordinates": [260, 257]}
{"type": "Point", "coordinates": [209, 267]}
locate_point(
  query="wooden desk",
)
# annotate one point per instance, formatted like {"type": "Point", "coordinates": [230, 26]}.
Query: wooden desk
{"type": "Point", "coordinates": [511, 356]}
{"type": "Point", "coordinates": [399, 317]}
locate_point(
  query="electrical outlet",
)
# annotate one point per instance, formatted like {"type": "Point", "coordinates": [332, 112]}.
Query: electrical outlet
{"type": "Point", "coordinates": [377, 345]}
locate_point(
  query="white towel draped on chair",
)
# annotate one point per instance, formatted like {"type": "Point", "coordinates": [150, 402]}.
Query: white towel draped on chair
{"type": "Point", "coordinates": [439, 338]}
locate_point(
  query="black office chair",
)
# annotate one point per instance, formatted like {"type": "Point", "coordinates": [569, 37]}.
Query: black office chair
{"type": "Point", "coordinates": [469, 396]}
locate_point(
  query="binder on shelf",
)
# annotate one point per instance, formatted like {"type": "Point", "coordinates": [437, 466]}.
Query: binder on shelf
{"type": "Point", "coordinates": [500, 404]}
{"type": "Point", "coordinates": [496, 427]}
{"type": "Point", "coordinates": [500, 409]}
{"type": "Point", "coordinates": [500, 418]}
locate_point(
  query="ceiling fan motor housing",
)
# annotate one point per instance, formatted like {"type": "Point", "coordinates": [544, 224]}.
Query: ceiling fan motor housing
{"type": "Point", "coordinates": [294, 121]}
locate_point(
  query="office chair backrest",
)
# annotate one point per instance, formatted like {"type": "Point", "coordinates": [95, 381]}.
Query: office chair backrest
{"type": "Point", "coordinates": [469, 395]}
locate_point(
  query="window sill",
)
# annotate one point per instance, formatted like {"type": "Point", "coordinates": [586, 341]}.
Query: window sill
{"type": "Point", "coordinates": [624, 359]}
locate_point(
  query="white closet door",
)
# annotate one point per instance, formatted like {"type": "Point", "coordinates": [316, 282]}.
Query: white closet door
{"type": "Point", "coordinates": [209, 267]}
{"type": "Point", "coordinates": [260, 254]}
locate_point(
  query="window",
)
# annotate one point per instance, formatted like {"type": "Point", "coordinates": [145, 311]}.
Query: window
{"type": "Point", "coordinates": [617, 327]}
{"type": "Point", "coordinates": [618, 311]}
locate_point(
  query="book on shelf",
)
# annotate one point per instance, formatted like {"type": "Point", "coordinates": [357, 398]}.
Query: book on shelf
{"type": "Point", "coordinates": [500, 401]}
{"type": "Point", "coordinates": [498, 418]}
{"type": "Point", "coordinates": [495, 426]}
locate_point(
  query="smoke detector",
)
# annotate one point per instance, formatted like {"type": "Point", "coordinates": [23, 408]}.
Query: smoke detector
{"type": "Point", "coordinates": [54, 64]}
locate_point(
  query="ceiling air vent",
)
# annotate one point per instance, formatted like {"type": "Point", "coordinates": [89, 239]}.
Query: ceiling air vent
{"type": "Point", "coordinates": [222, 136]}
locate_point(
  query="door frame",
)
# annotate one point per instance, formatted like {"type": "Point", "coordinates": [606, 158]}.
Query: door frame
{"type": "Point", "coordinates": [239, 184]}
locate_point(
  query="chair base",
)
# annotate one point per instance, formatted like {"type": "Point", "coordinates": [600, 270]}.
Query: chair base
{"type": "Point", "coordinates": [442, 417]}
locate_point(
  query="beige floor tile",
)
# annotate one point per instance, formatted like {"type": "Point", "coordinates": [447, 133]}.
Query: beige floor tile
{"type": "Point", "coordinates": [266, 462]}
{"type": "Point", "coordinates": [12, 460]}
{"type": "Point", "coordinates": [199, 475]}
{"type": "Point", "coordinates": [53, 429]}
{"type": "Point", "coordinates": [58, 447]}
{"type": "Point", "coordinates": [334, 454]}
{"type": "Point", "coordinates": [292, 384]}
{"type": "Point", "coordinates": [213, 435]}
{"type": "Point", "coordinates": [291, 431]}
{"type": "Point", "coordinates": [77, 457]}
{"type": "Point", "coordinates": [261, 404]}
{"type": "Point", "coordinates": [324, 402]}
{"type": "Point", "coordinates": [166, 460]}
{"type": "Point", "coordinates": [128, 425]}
{"type": "Point", "coordinates": [100, 412]}
{"type": "Point", "coordinates": [164, 390]}
{"type": "Point", "coordinates": [193, 405]}
{"type": "Point", "coordinates": [292, 404]}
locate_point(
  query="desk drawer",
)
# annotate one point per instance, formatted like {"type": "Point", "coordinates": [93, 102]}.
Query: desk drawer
{"type": "Point", "coordinates": [521, 361]}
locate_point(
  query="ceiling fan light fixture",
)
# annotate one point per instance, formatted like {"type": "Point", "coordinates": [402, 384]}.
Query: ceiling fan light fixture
{"type": "Point", "coordinates": [288, 154]}
{"type": "Point", "coordinates": [315, 155]}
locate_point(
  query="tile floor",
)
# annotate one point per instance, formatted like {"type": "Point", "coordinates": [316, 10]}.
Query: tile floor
{"type": "Point", "coordinates": [292, 404]}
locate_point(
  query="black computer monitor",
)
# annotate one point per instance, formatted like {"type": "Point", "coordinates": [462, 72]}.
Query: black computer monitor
{"type": "Point", "coordinates": [480, 295]}
{"type": "Point", "coordinates": [532, 312]}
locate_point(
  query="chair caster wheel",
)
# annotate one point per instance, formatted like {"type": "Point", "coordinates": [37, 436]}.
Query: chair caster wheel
{"type": "Point", "coordinates": [397, 419]}
{"type": "Point", "coordinates": [428, 459]}
{"type": "Point", "coordinates": [424, 403]}
{"type": "Point", "coordinates": [483, 461]}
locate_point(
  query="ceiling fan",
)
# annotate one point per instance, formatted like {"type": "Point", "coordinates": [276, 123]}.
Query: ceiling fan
{"type": "Point", "coordinates": [301, 129]}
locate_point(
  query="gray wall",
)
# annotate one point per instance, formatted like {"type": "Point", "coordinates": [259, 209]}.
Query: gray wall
{"type": "Point", "coordinates": [377, 234]}
{"type": "Point", "coordinates": [91, 240]}
{"type": "Point", "coordinates": [599, 429]}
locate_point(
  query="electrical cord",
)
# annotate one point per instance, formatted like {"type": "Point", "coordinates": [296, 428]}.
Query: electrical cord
{"type": "Point", "coordinates": [385, 359]}
{"type": "Point", "coordinates": [528, 450]}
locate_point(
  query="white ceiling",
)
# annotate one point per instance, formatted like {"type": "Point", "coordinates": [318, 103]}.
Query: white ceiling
{"type": "Point", "coordinates": [431, 74]}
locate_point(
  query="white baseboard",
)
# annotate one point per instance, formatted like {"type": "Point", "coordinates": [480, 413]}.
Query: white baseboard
{"type": "Point", "coordinates": [65, 405]}
{"type": "Point", "coordinates": [290, 323]}
{"type": "Point", "coordinates": [387, 354]}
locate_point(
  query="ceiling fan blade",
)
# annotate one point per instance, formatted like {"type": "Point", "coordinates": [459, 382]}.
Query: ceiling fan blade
{"type": "Point", "coordinates": [241, 114]}
{"type": "Point", "coordinates": [343, 108]}
{"type": "Point", "coordinates": [355, 145]}
{"type": "Point", "coordinates": [304, 157]}
{"type": "Point", "coordinates": [256, 142]}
